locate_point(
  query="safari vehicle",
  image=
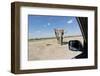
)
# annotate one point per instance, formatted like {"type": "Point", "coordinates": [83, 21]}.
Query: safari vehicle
{"type": "Point", "coordinates": [75, 45]}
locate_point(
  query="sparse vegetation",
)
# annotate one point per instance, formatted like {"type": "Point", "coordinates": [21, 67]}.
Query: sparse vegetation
{"type": "Point", "coordinates": [37, 39]}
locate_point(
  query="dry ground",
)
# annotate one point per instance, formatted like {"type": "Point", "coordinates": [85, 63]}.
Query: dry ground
{"type": "Point", "coordinates": [49, 49]}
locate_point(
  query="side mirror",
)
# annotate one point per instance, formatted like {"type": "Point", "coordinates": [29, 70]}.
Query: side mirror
{"type": "Point", "coordinates": [75, 45]}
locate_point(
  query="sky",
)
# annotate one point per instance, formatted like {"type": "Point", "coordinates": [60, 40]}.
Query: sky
{"type": "Point", "coordinates": [40, 26]}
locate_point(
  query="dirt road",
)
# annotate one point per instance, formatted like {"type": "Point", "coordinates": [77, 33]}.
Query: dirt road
{"type": "Point", "coordinates": [49, 49]}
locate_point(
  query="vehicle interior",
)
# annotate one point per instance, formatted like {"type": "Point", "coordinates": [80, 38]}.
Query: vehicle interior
{"type": "Point", "coordinates": [76, 45]}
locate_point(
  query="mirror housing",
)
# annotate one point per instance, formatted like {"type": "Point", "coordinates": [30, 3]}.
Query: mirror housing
{"type": "Point", "coordinates": [75, 45]}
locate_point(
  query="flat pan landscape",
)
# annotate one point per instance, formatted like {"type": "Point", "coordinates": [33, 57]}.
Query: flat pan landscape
{"type": "Point", "coordinates": [49, 49]}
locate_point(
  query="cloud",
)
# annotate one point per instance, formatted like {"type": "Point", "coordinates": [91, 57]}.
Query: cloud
{"type": "Point", "coordinates": [38, 31]}
{"type": "Point", "coordinates": [48, 23]}
{"type": "Point", "coordinates": [70, 21]}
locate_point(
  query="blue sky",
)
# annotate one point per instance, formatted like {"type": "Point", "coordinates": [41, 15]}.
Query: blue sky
{"type": "Point", "coordinates": [43, 26]}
